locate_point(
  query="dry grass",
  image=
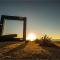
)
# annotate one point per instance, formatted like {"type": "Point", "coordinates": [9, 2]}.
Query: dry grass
{"type": "Point", "coordinates": [32, 51]}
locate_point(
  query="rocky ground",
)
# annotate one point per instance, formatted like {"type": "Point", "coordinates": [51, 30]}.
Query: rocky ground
{"type": "Point", "coordinates": [28, 51]}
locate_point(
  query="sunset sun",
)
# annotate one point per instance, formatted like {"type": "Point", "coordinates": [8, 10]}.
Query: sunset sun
{"type": "Point", "coordinates": [31, 36]}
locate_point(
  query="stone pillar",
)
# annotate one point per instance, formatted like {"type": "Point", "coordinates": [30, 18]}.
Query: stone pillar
{"type": "Point", "coordinates": [24, 29]}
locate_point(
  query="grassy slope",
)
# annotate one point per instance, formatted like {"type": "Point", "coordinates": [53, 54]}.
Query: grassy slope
{"type": "Point", "coordinates": [33, 51]}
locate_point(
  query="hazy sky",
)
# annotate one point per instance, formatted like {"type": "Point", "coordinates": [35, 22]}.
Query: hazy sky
{"type": "Point", "coordinates": [43, 16]}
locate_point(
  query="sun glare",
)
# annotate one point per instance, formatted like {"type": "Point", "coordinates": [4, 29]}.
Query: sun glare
{"type": "Point", "coordinates": [31, 37]}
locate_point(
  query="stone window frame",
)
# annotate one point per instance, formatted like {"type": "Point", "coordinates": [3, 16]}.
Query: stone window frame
{"type": "Point", "coordinates": [3, 17]}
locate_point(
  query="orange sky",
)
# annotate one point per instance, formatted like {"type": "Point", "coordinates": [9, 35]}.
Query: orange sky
{"type": "Point", "coordinates": [54, 36]}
